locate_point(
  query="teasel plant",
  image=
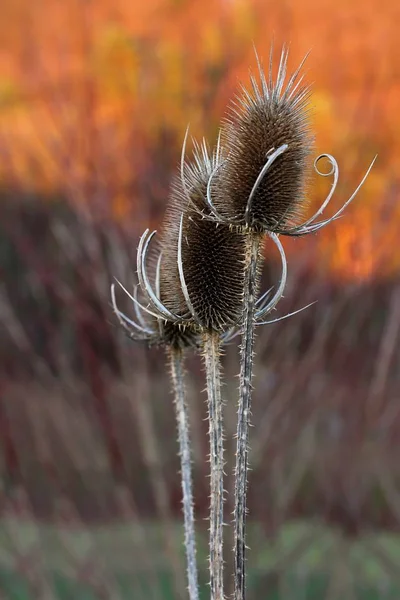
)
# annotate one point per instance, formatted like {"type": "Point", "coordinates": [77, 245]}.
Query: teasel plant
{"type": "Point", "coordinates": [196, 300]}
{"type": "Point", "coordinates": [259, 188]}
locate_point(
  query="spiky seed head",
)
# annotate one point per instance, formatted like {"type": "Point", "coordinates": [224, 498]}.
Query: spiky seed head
{"type": "Point", "coordinates": [261, 121]}
{"type": "Point", "coordinates": [212, 254]}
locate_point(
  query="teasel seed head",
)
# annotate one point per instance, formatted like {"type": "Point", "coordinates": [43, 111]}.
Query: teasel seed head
{"type": "Point", "coordinates": [271, 120]}
{"type": "Point", "coordinates": [193, 281]}
{"type": "Point", "coordinates": [202, 270]}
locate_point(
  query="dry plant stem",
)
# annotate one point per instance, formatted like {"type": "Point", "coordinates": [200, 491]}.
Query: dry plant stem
{"type": "Point", "coordinates": [150, 448]}
{"type": "Point", "coordinates": [245, 389]}
{"type": "Point", "coordinates": [177, 375]}
{"type": "Point", "coordinates": [211, 349]}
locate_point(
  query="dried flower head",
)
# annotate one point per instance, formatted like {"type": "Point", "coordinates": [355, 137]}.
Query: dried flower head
{"type": "Point", "coordinates": [259, 187]}
{"type": "Point", "coordinates": [202, 260]}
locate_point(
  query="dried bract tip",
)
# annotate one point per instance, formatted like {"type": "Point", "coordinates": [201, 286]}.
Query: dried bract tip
{"type": "Point", "coordinates": [202, 260]}
{"type": "Point", "coordinates": [268, 141]}
{"type": "Point", "coordinates": [150, 326]}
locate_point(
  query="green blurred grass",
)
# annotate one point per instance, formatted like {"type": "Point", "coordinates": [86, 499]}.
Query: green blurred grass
{"type": "Point", "coordinates": [133, 558]}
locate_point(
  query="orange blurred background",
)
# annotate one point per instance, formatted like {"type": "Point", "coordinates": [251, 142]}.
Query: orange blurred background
{"type": "Point", "coordinates": [95, 96]}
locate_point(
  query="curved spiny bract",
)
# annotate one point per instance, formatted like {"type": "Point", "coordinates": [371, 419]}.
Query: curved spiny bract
{"type": "Point", "coordinates": [261, 121]}
{"type": "Point", "coordinates": [208, 276]}
{"type": "Point", "coordinates": [150, 327]}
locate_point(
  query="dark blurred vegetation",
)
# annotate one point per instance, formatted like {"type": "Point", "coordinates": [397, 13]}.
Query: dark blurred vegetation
{"type": "Point", "coordinates": [94, 101]}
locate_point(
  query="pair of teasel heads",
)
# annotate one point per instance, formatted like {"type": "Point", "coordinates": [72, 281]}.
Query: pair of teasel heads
{"type": "Point", "coordinates": [253, 183]}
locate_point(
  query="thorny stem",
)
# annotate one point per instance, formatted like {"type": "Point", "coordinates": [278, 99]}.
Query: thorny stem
{"type": "Point", "coordinates": [178, 386]}
{"type": "Point", "coordinates": [149, 444]}
{"type": "Point", "coordinates": [253, 242]}
{"type": "Point", "coordinates": [211, 349]}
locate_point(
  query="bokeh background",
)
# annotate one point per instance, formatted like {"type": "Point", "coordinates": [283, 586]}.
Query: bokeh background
{"type": "Point", "coordinates": [94, 101]}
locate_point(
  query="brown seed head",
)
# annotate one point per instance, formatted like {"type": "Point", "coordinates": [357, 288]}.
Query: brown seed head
{"type": "Point", "coordinates": [261, 121]}
{"type": "Point", "coordinates": [212, 254]}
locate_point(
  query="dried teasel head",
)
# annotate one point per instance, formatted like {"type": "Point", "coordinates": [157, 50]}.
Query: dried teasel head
{"type": "Point", "coordinates": [202, 261]}
{"type": "Point", "coordinates": [260, 186]}
{"type": "Point", "coordinates": [193, 281]}
{"type": "Point", "coordinates": [268, 142]}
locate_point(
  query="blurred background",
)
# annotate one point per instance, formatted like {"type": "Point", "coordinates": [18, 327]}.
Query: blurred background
{"type": "Point", "coordinates": [94, 101]}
